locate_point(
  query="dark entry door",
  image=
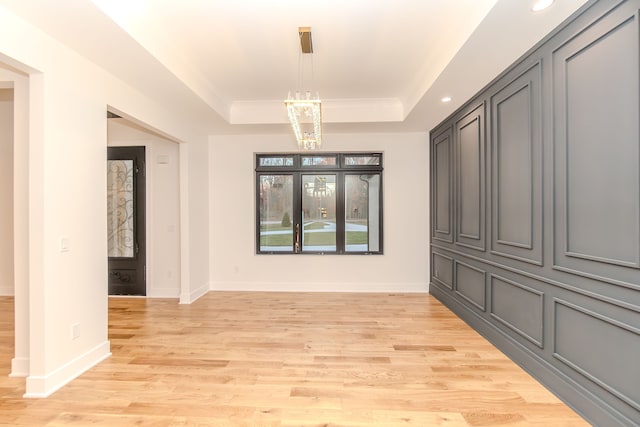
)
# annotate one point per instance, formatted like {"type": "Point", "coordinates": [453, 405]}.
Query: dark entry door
{"type": "Point", "coordinates": [126, 220]}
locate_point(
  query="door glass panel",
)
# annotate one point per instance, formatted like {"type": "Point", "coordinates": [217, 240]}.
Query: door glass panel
{"type": "Point", "coordinates": [319, 213]}
{"type": "Point", "coordinates": [362, 201]}
{"type": "Point", "coordinates": [120, 218]}
{"type": "Point", "coordinates": [276, 213]}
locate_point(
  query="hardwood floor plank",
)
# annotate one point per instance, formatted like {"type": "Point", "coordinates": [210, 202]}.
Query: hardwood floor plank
{"type": "Point", "coordinates": [287, 359]}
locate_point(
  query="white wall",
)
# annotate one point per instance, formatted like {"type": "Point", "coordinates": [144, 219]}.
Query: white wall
{"type": "Point", "coordinates": [68, 97]}
{"type": "Point", "coordinates": [195, 186]}
{"type": "Point", "coordinates": [402, 268]}
{"type": "Point", "coordinates": [6, 192]}
{"type": "Point", "coordinates": [163, 205]}
{"type": "Point", "coordinates": [164, 160]}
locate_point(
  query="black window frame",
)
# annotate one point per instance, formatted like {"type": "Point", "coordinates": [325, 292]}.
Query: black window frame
{"type": "Point", "coordinates": [340, 169]}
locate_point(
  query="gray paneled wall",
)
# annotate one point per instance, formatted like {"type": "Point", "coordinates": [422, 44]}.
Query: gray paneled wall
{"type": "Point", "coordinates": [470, 185]}
{"type": "Point", "coordinates": [441, 204]}
{"type": "Point", "coordinates": [535, 207]}
{"type": "Point", "coordinates": [516, 173]}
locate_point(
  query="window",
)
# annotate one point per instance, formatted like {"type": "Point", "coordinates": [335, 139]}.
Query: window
{"type": "Point", "coordinates": [321, 203]}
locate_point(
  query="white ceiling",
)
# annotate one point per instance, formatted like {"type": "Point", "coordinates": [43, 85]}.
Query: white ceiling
{"type": "Point", "coordinates": [382, 63]}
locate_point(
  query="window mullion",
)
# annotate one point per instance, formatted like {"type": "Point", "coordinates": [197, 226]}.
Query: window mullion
{"type": "Point", "coordinates": [340, 214]}
{"type": "Point", "coordinates": [297, 209]}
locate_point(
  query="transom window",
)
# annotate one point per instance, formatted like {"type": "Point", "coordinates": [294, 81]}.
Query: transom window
{"type": "Point", "coordinates": [321, 203]}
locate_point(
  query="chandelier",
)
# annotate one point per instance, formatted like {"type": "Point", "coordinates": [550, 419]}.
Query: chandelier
{"type": "Point", "coordinates": [304, 110]}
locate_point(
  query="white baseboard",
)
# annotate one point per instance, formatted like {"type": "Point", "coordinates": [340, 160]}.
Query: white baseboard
{"type": "Point", "coordinates": [376, 287]}
{"type": "Point", "coordinates": [163, 293]}
{"type": "Point", "coordinates": [6, 291]}
{"type": "Point", "coordinates": [188, 298]}
{"type": "Point", "coordinates": [44, 386]}
{"type": "Point", "coordinates": [19, 367]}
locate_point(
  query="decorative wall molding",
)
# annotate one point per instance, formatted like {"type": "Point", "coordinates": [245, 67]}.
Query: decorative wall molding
{"type": "Point", "coordinates": [470, 283]}
{"type": "Point", "coordinates": [516, 167]}
{"type": "Point", "coordinates": [555, 283]}
{"type": "Point", "coordinates": [469, 138]}
{"type": "Point", "coordinates": [599, 339]}
{"type": "Point", "coordinates": [442, 187]}
{"type": "Point", "coordinates": [597, 184]}
{"type": "Point", "coordinates": [442, 267]}
{"type": "Point", "coordinates": [518, 307]}
{"type": "Point", "coordinates": [562, 205]}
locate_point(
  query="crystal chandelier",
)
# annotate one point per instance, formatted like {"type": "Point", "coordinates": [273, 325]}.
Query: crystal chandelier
{"type": "Point", "coordinates": [305, 115]}
{"type": "Point", "coordinates": [305, 111]}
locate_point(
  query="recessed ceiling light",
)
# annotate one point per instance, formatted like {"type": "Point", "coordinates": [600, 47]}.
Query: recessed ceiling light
{"type": "Point", "coordinates": [541, 5]}
{"type": "Point", "coordinates": [123, 12]}
{"type": "Point", "coordinates": [446, 99]}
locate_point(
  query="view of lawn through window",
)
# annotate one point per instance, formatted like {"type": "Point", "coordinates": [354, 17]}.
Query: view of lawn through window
{"type": "Point", "coordinates": [329, 203]}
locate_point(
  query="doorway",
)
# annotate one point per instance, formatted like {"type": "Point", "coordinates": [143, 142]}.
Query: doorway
{"type": "Point", "coordinates": [7, 245]}
{"type": "Point", "coordinates": [6, 192]}
{"type": "Point", "coordinates": [126, 220]}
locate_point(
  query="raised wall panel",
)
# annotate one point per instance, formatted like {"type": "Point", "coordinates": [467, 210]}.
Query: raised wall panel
{"type": "Point", "coordinates": [470, 284]}
{"type": "Point", "coordinates": [516, 168]}
{"type": "Point", "coordinates": [551, 275]}
{"type": "Point", "coordinates": [519, 307]}
{"type": "Point", "coordinates": [442, 268]}
{"type": "Point", "coordinates": [597, 150]}
{"type": "Point", "coordinates": [442, 186]}
{"type": "Point", "coordinates": [470, 180]}
{"type": "Point", "coordinates": [604, 350]}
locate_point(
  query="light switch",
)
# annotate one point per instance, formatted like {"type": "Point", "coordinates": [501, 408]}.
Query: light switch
{"type": "Point", "coordinates": [64, 244]}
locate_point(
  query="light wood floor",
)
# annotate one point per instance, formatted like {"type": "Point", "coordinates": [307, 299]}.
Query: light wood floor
{"type": "Point", "coordinates": [288, 359]}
